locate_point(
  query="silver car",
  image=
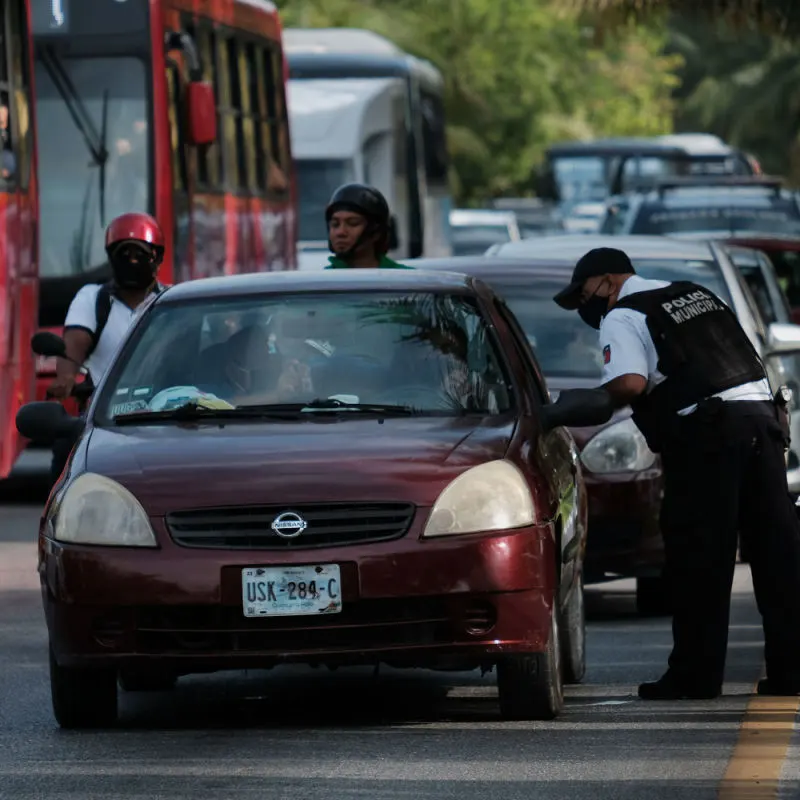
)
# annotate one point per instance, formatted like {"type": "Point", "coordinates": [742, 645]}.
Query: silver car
{"type": "Point", "coordinates": [775, 341]}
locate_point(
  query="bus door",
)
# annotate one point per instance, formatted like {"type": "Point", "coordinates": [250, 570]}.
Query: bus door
{"type": "Point", "coordinates": [18, 213]}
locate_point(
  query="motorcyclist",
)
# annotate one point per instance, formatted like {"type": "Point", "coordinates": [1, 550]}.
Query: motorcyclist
{"type": "Point", "coordinates": [359, 225]}
{"type": "Point", "coordinates": [100, 314]}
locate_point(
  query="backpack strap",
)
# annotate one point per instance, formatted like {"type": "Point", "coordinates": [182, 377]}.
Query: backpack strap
{"type": "Point", "coordinates": [102, 310]}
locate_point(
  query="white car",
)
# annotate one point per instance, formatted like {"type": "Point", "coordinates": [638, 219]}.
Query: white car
{"type": "Point", "coordinates": [472, 231]}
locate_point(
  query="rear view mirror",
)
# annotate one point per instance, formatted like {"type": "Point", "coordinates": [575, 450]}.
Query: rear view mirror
{"type": "Point", "coordinates": [48, 344]}
{"type": "Point", "coordinates": [394, 240]}
{"type": "Point", "coordinates": [201, 113]}
{"type": "Point", "coordinates": [45, 422]}
{"type": "Point", "coordinates": [783, 339]}
{"type": "Point", "coordinates": [578, 408]}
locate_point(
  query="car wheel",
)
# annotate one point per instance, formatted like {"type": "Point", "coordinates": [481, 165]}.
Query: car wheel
{"type": "Point", "coordinates": [652, 597]}
{"type": "Point", "coordinates": [530, 685]}
{"type": "Point", "coordinates": [573, 636]}
{"type": "Point", "coordinates": [83, 698]}
{"type": "Point", "coordinates": [143, 682]}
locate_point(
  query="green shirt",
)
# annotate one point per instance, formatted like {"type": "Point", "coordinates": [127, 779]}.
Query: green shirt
{"type": "Point", "coordinates": [334, 262]}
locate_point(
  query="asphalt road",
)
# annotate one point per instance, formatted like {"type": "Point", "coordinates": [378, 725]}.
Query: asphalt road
{"type": "Point", "coordinates": [316, 735]}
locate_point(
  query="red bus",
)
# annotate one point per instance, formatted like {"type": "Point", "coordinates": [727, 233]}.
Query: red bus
{"type": "Point", "coordinates": [173, 107]}
{"type": "Point", "coordinates": [18, 215]}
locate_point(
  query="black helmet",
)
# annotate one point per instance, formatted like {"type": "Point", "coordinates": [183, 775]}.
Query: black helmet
{"type": "Point", "coordinates": [361, 199]}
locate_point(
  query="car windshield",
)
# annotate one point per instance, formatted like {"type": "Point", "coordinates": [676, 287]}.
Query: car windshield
{"type": "Point", "coordinates": [93, 152]}
{"type": "Point", "coordinates": [763, 216]}
{"type": "Point", "coordinates": [564, 344]}
{"type": "Point", "coordinates": [470, 240]}
{"type": "Point", "coordinates": [427, 352]}
{"type": "Point", "coordinates": [581, 178]}
{"type": "Point", "coordinates": [317, 180]}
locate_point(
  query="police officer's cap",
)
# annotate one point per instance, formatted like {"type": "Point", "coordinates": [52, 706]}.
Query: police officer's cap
{"type": "Point", "coordinates": [600, 261]}
{"type": "Point", "coordinates": [362, 199]}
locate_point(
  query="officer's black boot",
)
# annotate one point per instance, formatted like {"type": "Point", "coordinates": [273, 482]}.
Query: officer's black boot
{"type": "Point", "coordinates": [668, 687]}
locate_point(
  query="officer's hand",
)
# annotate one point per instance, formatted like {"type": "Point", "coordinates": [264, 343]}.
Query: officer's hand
{"type": "Point", "coordinates": [61, 388]}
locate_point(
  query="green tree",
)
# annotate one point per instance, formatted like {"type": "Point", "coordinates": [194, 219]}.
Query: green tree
{"type": "Point", "coordinates": [520, 75]}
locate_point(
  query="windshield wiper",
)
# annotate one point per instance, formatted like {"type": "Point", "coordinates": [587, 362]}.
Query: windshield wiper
{"type": "Point", "coordinates": [95, 140]}
{"type": "Point", "coordinates": [191, 411]}
{"type": "Point", "coordinates": [333, 405]}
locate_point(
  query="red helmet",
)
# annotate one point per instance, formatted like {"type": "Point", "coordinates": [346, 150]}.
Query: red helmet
{"type": "Point", "coordinates": [135, 227]}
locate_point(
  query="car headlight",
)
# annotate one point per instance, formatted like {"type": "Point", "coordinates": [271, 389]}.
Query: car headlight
{"type": "Point", "coordinates": [618, 448]}
{"type": "Point", "coordinates": [96, 510]}
{"type": "Point", "coordinates": [490, 497]}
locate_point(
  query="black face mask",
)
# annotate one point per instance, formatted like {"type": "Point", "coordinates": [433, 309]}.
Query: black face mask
{"type": "Point", "coordinates": [129, 274]}
{"type": "Point", "coordinates": [593, 311]}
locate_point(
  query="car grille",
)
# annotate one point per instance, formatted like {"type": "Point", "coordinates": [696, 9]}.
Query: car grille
{"type": "Point", "coordinates": [327, 524]}
{"type": "Point", "coordinates": [223, 629]}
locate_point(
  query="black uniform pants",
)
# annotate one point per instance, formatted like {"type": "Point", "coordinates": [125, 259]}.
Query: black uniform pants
{"type": "Point", "coordinates": [725, 475]}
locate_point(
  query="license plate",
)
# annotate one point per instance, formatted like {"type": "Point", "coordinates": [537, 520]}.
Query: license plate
{"type": "Point", "coordinates": [291, 591]}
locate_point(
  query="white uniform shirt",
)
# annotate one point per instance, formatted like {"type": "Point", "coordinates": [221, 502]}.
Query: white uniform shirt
{"type": "Point", "coordinates": [628, 348]}
{"type": "Point", "coordinates": [82, 314]}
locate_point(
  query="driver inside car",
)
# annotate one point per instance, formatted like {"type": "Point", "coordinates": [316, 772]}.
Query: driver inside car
{"type": "Point", "coordinates": [248, 371]}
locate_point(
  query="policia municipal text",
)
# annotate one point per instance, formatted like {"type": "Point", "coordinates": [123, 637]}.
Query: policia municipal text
{"type": "Point", "coordinates": [678, 356]}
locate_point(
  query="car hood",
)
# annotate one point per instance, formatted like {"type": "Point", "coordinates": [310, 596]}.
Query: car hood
{"type": "Point", "coordinates": [407, 460]}
{"type": "Point", "coordinates": [582, 435]}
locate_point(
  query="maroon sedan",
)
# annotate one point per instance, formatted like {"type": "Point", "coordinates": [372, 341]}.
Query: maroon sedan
{"type": "Point", "coordinates": [325, 468]}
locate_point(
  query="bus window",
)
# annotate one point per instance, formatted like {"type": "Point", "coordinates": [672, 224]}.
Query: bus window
{"type": "Point", "coordinates": [434, 138]}
{"type": "Point", "coordinates": [277, 122]}
{"type": "Point", "coordinates": [235, 162]}
{"type": "Point", "coordinates": [258, 117]}
{"type": "Point", "coordinates": [209, 163]}
{"type": "Point", "coordinates": [179, 181]}
{"type": "Point", "coordinates": [9, 152]}
{"type": "Point", "coordinates": [76, 199]}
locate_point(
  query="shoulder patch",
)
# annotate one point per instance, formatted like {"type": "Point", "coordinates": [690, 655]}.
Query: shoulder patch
{"type": "Point", "coordinates": [607, 354]}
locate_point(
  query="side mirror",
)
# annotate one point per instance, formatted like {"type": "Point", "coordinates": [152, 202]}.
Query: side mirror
{"type": "Point", "coordinates": [45, 422]}
{"type": "Point", "coordinates": [783, 339]}
{"type": "Point", "coordinates": [201, 114]}
{"type": "Point", "coordinates": [48, 345]}
{"type": "Point", "coordinates": [578, 408]}
{"type": "Point", "coordinates": [394, 240]}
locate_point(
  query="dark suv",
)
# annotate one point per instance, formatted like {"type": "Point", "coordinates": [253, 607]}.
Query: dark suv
{"type": "Point", "coordinates": [714, 209]}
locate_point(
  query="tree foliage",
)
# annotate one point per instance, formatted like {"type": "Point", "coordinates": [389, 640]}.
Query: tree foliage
{"type": "Point", "coordinates": [743, 85]}
{"type": "Point", "coordinates": [770, 16]}
{"type": "Point", "coordinates": [520, 75]}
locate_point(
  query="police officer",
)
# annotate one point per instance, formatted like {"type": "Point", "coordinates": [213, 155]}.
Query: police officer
{"type": "Point", "coordinates": [100, 314]}
{"type": "Point", "coordinates": [678, 356]}
{"type": "Point", "coordinates": [359, 226]}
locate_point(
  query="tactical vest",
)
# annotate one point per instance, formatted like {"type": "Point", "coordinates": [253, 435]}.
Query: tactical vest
{"type": "Point", "coordinates": [702, 351]}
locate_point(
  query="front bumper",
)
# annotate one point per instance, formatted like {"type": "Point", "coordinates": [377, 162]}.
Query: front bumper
{"type": "Point", "coordinates": [458, 601]}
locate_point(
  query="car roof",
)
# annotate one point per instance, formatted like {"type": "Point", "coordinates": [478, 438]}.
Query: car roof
{"type": "Point", "coordinates": [637, 247]}
{"type": "Point", "coordinates": [339, 280]}
{"type": "Point", "coordinates": [482, 216]}
{"type": "Point", "coordinates": [486, 266]}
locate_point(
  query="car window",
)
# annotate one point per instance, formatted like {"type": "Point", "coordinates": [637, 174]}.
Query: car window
{"type": "Point", "coordinates": [433, 352]}
{"type": "Point", "coordinates": [787, 267]}
{"type": "Point", "coordinates": [525, 351]}
{"type": "Point", "coordinates": [756, 282]}
{"type": "Point", "coordinates": [470, 240]}
{"type": "Point", "coordinates": [564, 345]}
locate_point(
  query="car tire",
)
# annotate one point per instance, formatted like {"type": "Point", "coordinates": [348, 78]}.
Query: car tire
{"type": "Point", "coordinates": [652, 597]}
{"type": "Point", "coordinates": [530, 685]}
{"type": "Point", "coordinates": [573, 636]}
{"type": "Point", "coordinates": [83, 698]}
{"type": "Point", "coordinates": [142, 682]}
